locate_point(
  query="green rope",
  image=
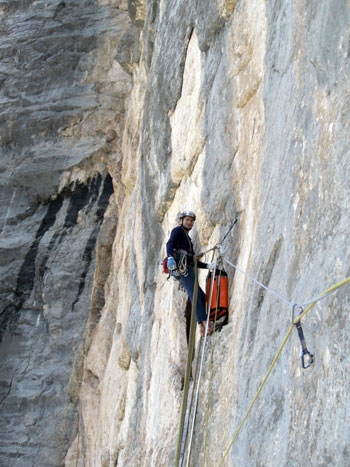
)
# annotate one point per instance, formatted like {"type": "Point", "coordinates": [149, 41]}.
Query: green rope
{"type": "Point", "coordinates": [200, 374]}
{"type": "Point", "coordinates": [210, 367]}
{"type": "Point", "coordinates": [305, 312]}
{"type": "Point", "coordinates": [188, 366]}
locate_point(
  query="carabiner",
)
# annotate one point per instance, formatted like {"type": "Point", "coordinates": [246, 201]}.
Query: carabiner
{"type": "Point", "coordinates": [307, 359]}
{"type": "Point", "coordinates": [300, 312]}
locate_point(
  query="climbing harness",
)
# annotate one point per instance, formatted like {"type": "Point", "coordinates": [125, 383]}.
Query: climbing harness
{"type": "Point", "coordinates": [307, 358]}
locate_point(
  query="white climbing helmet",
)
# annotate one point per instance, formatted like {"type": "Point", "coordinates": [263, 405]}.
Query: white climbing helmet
{"type": "Point", "coordinates": [187, 214]}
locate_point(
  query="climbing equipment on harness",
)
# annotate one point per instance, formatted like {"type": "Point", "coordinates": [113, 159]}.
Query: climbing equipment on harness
{"type": "Point", "coordinates": [181, 269]}
{"type": "Point", "coordinates": [181, 260]}
{"type": "Point", "coordinates": [219, 300]}
{"type": "Point", "coordinates": [307, 358]}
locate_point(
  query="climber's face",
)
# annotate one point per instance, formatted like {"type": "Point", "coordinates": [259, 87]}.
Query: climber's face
{"type": "Point", "coordinates": [188, 222]}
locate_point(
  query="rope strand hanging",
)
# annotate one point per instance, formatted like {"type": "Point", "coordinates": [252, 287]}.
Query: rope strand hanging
{"type": "Point", "coordinates": [304, 313]}
{"type": "Point", "coordinates": [296, 322]}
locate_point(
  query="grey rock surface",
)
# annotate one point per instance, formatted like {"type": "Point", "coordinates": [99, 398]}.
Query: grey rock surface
{"type": "Point", "coordinates": [62, 102]}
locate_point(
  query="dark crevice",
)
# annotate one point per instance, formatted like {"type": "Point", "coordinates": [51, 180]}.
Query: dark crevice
{"type": "Point", "coordinates": [25, 280]}
{"type": "Point", "coordinates": [90, 245]}
{"type": "Point", "coordinates": [26, 275]}
{"type": "Point", "coordinates": [182, 67]}
{"type": "Point", "coordinates": [87, 257]}
{"type": "Point", "coordinates": [187, 314]}
{"type": "Point", "coordinates": [8, 389]}
{"type": "Point", "coordinates": [104, 198]}
{"type": "Point", "coordinates": [81, 196]}
{"type": "Point", "coordinates": [78, 199]}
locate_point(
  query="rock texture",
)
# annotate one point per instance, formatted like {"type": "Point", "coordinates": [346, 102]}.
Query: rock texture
{"type": "Point", "coordinates": [62, 105]}
{"type": "Point", "coordinates": [115, 116]}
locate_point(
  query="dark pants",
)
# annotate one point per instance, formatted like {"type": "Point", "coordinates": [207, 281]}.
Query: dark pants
{"type": "Point", "coordinates": [188, 283]}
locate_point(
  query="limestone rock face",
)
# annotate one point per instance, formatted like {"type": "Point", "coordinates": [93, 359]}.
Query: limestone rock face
{"type": "Point", "coordinates": [62, 105]}
{"type": "Point", "coordinates": [115, 116]}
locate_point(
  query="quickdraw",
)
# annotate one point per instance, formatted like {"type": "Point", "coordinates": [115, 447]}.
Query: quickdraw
{"type": "Point", "coordinates": [307, 358]}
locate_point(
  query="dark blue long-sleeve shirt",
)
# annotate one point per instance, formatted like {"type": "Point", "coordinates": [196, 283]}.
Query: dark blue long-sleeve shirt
{"type": "Point", "coordinates": [180, 240]}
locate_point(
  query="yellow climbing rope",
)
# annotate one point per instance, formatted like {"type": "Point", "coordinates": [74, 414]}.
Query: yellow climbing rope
{"type": "Point", "coordinates": [188, 366]}
{"type": "Point", "coordinates": [182, 434]}
{"type": "Point", "coordinates": [304, 313]}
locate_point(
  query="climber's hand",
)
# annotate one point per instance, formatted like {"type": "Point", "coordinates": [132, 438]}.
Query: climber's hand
{"type": "Point", "coordinates": [171, 263]}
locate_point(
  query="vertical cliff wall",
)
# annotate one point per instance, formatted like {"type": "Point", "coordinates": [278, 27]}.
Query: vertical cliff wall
{"type": "Point", "coordinates": [116, 116]}
{"type": "Point", "coordinates": [62, 105]}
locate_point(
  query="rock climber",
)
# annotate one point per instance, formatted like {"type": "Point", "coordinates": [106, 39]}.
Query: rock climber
{"type": "Point", "coordinates": [180, 263]}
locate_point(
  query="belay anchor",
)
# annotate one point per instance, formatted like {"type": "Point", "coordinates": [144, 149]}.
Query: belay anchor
{"type": "Point", "coordinates": [307, 358]}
